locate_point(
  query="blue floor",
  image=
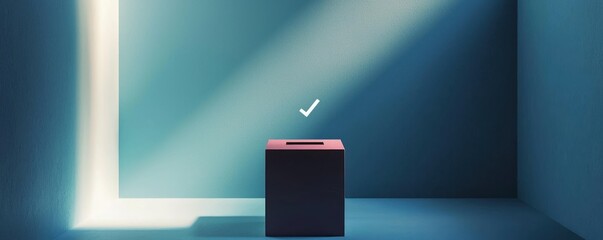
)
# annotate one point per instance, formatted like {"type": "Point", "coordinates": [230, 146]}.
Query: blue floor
{"type": "Point", "coordinates": [381, 219]}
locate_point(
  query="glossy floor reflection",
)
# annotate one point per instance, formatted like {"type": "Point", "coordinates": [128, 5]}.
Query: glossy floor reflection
{"type": "Point", "coordinates": [380, 219]}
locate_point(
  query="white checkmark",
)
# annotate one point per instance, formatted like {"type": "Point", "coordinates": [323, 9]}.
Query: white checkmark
{"type": "Point", "coordinates": [307, 113]}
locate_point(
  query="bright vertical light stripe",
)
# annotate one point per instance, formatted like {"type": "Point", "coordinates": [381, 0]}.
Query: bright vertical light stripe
{"type": "Point", "coordinates": [98, 204]}
{"type": "Point", "coordinates": [98, 106]}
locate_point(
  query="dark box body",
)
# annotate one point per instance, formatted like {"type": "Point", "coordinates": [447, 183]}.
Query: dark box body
{"type": "Point", "coordinates": [305, 188]}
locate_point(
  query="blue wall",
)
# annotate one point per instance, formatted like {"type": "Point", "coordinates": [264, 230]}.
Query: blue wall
{"type": "Point", "coordinates": [439, 119]}
{"type": "Point", "coordinates": [37, 117]}
{"type": "Point", "coordinates": [560, 111]}
{"type": "Point", "coordinates": [177, 57]}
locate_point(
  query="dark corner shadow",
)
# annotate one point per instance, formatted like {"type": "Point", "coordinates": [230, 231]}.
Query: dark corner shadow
{"type": "Point", "coordinates": [229, 226]}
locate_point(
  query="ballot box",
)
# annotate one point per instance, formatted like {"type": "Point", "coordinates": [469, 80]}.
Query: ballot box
{"type": "Point", "coordinates": [305, 187]}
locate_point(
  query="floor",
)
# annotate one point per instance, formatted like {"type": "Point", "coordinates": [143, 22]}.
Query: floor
{"type": "Point", "coordinates": [380, 219]}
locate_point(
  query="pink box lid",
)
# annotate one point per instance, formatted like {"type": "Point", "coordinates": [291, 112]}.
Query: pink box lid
{"type": "Point", "coordinates": [304, 144]}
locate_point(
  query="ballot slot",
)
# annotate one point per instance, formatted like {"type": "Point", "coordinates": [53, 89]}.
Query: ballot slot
{"type": "Point", "coordinates": [305, 143]}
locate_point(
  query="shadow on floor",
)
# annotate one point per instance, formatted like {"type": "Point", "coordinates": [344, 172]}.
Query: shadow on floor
{"type": "Point", "coordinates": [230, 226]}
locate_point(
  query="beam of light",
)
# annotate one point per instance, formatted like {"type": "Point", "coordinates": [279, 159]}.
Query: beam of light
{"type": "Point", "coordinates": [367, 32]}
{"type": "Point", "coordinates": [324, 54]}
{"type": "Point", "coordinates": [98, 98]}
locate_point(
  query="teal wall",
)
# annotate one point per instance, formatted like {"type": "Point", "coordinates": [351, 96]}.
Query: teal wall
{"type": "Point", "coordinates": [439, 118]}
{"type": "Point", "coordinates": [37, 118]}
{"type": "Point", "coordinates": [431, 115]}
{"type": "Point", "coordinates": [178, 58]}
{"type": "Point", "coordinates": [560, 111]}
